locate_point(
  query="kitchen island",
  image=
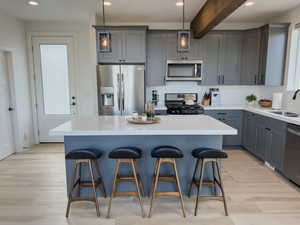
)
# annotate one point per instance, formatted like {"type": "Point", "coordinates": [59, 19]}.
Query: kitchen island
{"type": "Point", "coordinates": [110, 132]}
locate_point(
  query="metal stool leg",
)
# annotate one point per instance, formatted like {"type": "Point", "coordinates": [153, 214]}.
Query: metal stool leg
{"type": "Point", "coordinates": [199, 186]}
{"type": "Point", "coordinates": [222, 189]}
{"type": "Point", "coordinates": [154, 188]}
{"type": "Point", "coordinates": [100, 175]}
{"type": "Point", "coordinates": [193, 178]}
{"type": "Point", "coordinates": [137, 186]}
{"type": "Point", "coordinates": [72, 188]}
{"type": "Point", "coordinates": [94, 188]}
{"type": "Point", "coordinates": [178, 187]}
{"type": "Point", "coordinates": [113, 189]}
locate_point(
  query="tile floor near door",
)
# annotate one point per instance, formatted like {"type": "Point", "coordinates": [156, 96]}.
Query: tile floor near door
{"type": "Point", "coordinates": [33, 191]}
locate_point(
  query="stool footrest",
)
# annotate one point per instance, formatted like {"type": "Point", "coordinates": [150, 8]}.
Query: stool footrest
{"type": "Point", "coordinates": [125, 193]}
{"type": "Point", "coordinates": [157, 194]}
{"type": "Point", "coordinates": [167, 179]}
{"type": "Point", "coordinates": [89, 183]}
{"type": "Point", "coordinates": [80, 199]}
{"type": "Point", "coordinates": [208, 197]}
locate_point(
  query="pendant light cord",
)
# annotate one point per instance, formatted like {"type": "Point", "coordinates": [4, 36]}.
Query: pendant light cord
{"type": "Point", "coordinates": [103, 14]}
{"type": "Point", "coordinates": [183, 14]}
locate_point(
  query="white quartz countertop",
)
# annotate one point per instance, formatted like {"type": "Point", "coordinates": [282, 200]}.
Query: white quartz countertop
{"type": "Point", "coordinates": [118, 125]}
{"type": "Point", "coordinates": [258, 110]}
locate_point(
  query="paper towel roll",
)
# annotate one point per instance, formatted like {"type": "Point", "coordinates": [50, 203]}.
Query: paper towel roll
{"type": "Point", "coordinates": [277, 100]}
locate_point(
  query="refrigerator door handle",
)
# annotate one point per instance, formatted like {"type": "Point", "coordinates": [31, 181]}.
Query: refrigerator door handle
{"type": "Point", "coordinates": [119, 91]}
{"type": "Point", "coordinates": [123, 93]}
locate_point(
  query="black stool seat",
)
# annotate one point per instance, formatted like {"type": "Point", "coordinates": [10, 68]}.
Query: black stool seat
{"type": "Point", "coordinates": [84, 154]}
{"type": "Point", "coordinates": [126, 153]}
{"type": "Point", "coordinates": [209, 153]}
{"type": "Point", "coordinates": [166, 152]}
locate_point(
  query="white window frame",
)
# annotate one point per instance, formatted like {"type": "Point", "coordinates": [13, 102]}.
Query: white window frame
{"type": "Point", "coordinates": [297, 60]}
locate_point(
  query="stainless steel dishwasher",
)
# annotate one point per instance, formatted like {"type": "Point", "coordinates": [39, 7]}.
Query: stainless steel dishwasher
{"type": "Point", "coordinates": [292, 154]}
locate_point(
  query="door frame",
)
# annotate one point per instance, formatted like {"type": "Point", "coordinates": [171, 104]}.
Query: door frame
{"type": "Point", "coordinates": [9, 58]}
{"type": "Point", "coordinates": [32, 72]}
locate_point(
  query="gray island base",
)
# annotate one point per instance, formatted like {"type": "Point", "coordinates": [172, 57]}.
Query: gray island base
{"type": "Point", "coordinates": [109, 132]}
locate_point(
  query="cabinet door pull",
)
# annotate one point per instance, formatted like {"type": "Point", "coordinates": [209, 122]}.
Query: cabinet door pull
{"type": "Point", "coordinates": [255, 79]}
{"type": "Point", "coordinates": [223, 80]}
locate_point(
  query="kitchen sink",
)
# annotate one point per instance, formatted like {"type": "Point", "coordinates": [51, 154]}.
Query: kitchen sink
{"type": "Point", "coordinates": [284, 113]}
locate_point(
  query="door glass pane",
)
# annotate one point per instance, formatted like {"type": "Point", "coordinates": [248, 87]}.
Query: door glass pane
{"type": "Point", "coordinates": [55, 79]}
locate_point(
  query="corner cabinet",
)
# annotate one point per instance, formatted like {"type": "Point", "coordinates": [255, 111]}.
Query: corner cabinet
{"type": "Point", "coordinates": [128, 45]}
{"type": "Point", "coordinates": [273, 47]}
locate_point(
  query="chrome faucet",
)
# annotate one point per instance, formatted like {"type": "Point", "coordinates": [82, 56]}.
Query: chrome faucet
{"type": "Point", "coordinates": [295, 95]}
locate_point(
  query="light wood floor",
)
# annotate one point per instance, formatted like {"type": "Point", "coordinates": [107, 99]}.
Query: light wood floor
{"type": "Point", "coordinates": [32, 191]}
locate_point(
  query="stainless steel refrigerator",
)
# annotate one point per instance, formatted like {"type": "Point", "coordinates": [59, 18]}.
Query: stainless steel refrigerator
{"type": "Point", "coordinates": [121, 89]}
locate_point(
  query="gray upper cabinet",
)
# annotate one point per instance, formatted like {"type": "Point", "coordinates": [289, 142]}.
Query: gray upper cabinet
{"type": "Point", "coordinates": [156, 60]}
{"type": "Point", "coordinates": [134, 46]}
{"type": "Point", "coordinates": [222, 64]}
{"type": "Point", "coordinates": [211, 66]}
{"type": "Point", "coordinates": [127, 46]}
{"type": "Point", "coordinates": [231, 58]}
{"type": "Point", "coordinates": [116, 50]}
{"type": "Point", "coordinates": [250, 57]}
{"type": "Point", "coordinates": [273, 54]}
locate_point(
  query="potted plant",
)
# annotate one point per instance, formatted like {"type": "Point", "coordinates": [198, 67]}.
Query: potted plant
{"type": "Point", "coordinates": [251, 99]}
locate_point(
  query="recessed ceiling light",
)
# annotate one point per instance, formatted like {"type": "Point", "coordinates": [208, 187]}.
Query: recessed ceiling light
{"type": "Point", "coordinates": [33, 3]}
{"type": "Point", "coordinates": [179, 3]}
{"type": "Point", "coordinates": [249, 3]}
{"type": "Point", "coordinates": [106, 3]}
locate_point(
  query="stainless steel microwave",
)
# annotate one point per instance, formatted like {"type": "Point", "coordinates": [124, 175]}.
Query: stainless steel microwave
{"type": "Point", "coordinates": [184, 70]}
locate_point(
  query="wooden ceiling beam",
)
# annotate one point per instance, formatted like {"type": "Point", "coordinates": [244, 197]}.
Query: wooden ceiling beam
{"type": "Point", "coordinates": [211, 14]}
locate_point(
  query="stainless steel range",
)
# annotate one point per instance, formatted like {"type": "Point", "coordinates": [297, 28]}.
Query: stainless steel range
{"type": "Point", "coordinates": [183, 104]}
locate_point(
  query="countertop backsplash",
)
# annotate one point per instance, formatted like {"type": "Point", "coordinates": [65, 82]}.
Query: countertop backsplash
{"type": "Point", "coordinates": [229, 94]}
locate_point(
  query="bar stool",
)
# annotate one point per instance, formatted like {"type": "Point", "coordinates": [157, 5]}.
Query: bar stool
{"type": "Point", "coordinates": [126, 155]}
{"type": "Point", "coordinates": [203, 156]}
{"type": "Point", "coordinates": [83, 157]}
{"type": "Point", "coordinates": [165, 154]}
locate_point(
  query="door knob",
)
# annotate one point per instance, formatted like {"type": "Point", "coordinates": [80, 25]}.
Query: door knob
{"type": "Point", "coordinates": [10, 109]}
{"type": "Point", "coordinates": [73, 103]}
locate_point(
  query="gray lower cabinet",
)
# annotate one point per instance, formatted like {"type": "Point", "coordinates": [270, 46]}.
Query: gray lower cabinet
{"type": "Point", "coordinates": [232, 118]}
{"type": "Point", "coordinates": [265, 138]}
{"type": "Point", "coordinates": [249, 131]}
{"type": "Point", "coordinates": [127, 46]}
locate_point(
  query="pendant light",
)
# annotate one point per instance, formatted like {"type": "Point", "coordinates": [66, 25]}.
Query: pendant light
{"type": "Point", "coordinates": [183, 36]}
{"type": "Point", "coordinates": [104, 37]}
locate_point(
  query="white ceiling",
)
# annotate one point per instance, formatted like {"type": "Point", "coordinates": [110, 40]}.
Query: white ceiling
{"type": "Point", "coordinates": [137, 11]}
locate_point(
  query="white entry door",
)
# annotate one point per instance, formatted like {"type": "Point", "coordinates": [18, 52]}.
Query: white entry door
{"type": "Point", "coordinates": [54, 77]}
{"type": "Point", "coordinates": [7, 145]}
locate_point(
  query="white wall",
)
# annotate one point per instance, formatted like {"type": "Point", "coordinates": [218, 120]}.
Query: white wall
{"type": "Point", "coordinates": [12, 38]}
{"type": "Point", "coordinates": [85, 77]}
